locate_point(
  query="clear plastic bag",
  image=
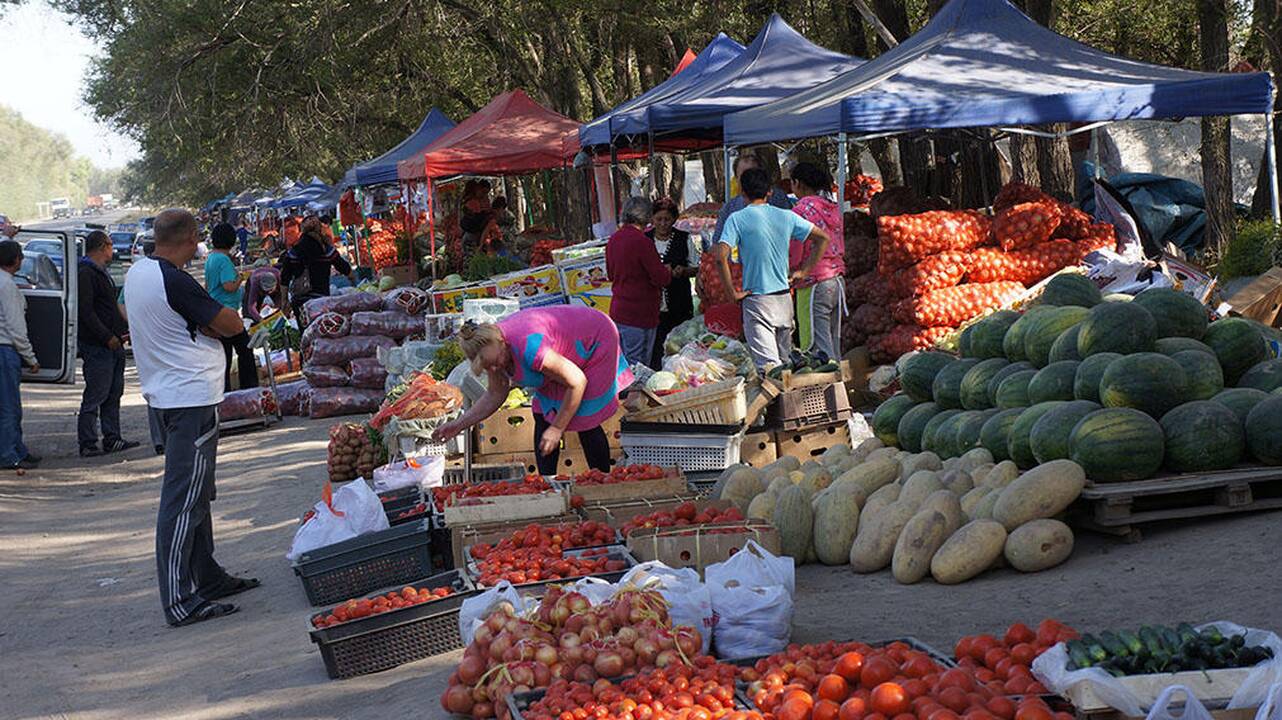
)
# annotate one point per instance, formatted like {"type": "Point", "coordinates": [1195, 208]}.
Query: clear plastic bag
{"type": "Point", "coordinates": [248, 403]}
{"type": "Point", "coordinates": [1193, 708]}
{"type": "Point", "coordinates": [474, 610]}
{"type": "Point", "coordinates": [345, 304]}
{"type": "Point", "coordinates": [295, 398]}
{"type": "Point", "coordinates": [392, 323]}
{"type": "Point", "coordinates": [340, 351]}
{"type": "Point", "coordinates": [352, 510]}
{"type": "Point", "coordinates": [335, 401]}
{"type": "Point", "coordinates": [752, 596]}
{"type": "Point", "coordinates": [689, 600]}
{"type": "Point", "coordinates": [320, 376]}
{"type": "Point", "coordinates": [696, 365]}
{"type": "Point", "coordinates": [368, 373]}
{"type": "Point", "coordinates": [426, 472]}
{"type": "Point", "coordinates": [1271, 709]}
{"type": "Point", "coordinates": [407, 300]}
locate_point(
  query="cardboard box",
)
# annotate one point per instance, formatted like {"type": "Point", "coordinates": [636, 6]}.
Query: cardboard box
{"type": "Point", "coordinates": [400, 274]}
{"type": "Point", "coordinates": [699, 546]}
{"type": "Point", "coordinates": [810, 444]}
{"type": "Point", "coordinates": [506, 431]}
{"type": "Point", "coordinates": [1260, 300]}
{"type": "Point", "coordinates": [451, 301]}
{"type": "Point", "coordinates": [758, 449]}
{"type": "Point", "coordinates": [535, 287]}
{"type": "Point", "coordinates": [571, 462]}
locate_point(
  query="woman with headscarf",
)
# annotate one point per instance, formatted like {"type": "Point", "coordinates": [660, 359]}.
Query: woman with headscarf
{"type": "Point", "coordinates": [673, 245]}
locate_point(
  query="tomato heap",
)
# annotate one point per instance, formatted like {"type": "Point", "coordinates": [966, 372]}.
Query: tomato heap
{"type": "Point", "coordinates": [541, 251]}
{"type": "Point", "coordinates": [394, 600]}
{"type": "Point", "coordinates": [536, 564]}
{"type": "Point", "coordinates": [1003, 665]}
{"type": "Point", "coordinates": [853, 681]}
{"type": "Point", "coordinates": [381, 247]}
{"type": "Point", "coordinates": [701, 691]}
{"type": "Point", "coordinates": [418, 509]}
{"type": "Point", "coordinates": [687, 513]}
{"type": "Point", "coordinates": [551, 539]}
{"type": "Point", "coordinates": [457, 494]}
{"type": "Point", "coordinates": [617, 474]}
{"type": "Point", "coordinates": [567, 639]}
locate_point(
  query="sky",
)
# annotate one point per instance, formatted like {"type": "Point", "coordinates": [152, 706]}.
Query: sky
{"type": "Point", "coordinates": [54, 60]}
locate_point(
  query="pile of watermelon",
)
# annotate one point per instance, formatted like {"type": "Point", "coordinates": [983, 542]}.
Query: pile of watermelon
{"type": "Point", "coordinates": [1125, 387]}
{"type": "Point", "coordinates": [935, 270]}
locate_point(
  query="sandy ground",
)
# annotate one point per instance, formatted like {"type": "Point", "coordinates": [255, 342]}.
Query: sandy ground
{"type": "Point", "coordinates": [82, 636]}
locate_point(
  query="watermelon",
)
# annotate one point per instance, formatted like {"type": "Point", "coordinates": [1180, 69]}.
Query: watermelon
{"type": "Point", "coordinates": [885, 421]}
{"type": "Point", "coordinates": [1150, 382]}
{"type": "Point", "coordinates": [964, 340]}
{"type": "Point", "coordinates": [1013, 342]}
{"type": "Point", "coordinates": [1177, 313]}
{"type": "Point", "coordinates": [967, 428]}
{"type": "Point", "coordinates": [1266, 376]}
{"type": "Point", "coordinates": [1116, 327]}
{"type": "Point", "coordinates": [1049, 437]}
{"type": "Point", "coordinates": [1089, 372]}
{"type": "Point", "coordinates": [929, 441]}
{"type": "Point", "coordinates": [1053, 382]}
{"type": "Point", "coordinates": [1264, 431]}
{"type": "Point", "coordinates": [1068, 288]}
{"type": "Point", "coordinates": [1065, 346]}
{"type": "Point", "coordinates": [974, 385]}
{"type": "Point", "coordinates": [1206, 379]}
{"type": "Point", "coordinates": [1013, 391]}
{"type": "Point", "coordinates": [1202, 435]}
{"type": "Point", "coordinates": [1017, 443]}
{"type": "Point", "coordinates": [995, 434]}
{"type": "Point", "coordinates": [1117, 444]}
{"type": "Point", "coordinates": [1172, 345]}
{"type": "Point", "coordinates": [917, 375]}
{"type": "Point", "coordinates": [947, 387]}
{"type": "Point", "coordinates": [1046, 329]}
{"type": "Point", "coordinates": [996, 380]}
{"type": "Point", "coordinates": [1238, 344]}
{"type": "Point", "coordinates": [1241, 400]}
{"type": "Point", "coordinates": [986, 335]}
{"type": "Point", "coordinates": [913, 424]}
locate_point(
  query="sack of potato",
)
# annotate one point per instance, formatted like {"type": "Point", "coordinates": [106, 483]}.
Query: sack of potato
{"type": "Point", "coordinates": [354, 451]}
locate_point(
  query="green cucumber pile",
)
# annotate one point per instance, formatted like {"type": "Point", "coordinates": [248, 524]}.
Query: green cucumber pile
{"type": "Point", "coordinates": [1161, 649]}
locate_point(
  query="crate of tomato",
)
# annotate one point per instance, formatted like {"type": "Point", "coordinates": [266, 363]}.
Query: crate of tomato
{"type": "Point", "coordinates": [488, 502]}
{"type": "Point", "coordinates": [624, 482]}
{"type": "Point", "coordinates": [383, 631]}
{"type": "Point", "coordinates": [547, 562]}
{"type": "Point", "coordinates": [696, 534]}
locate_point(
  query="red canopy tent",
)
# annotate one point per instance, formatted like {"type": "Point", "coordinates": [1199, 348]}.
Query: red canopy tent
{"type": "Point", "coordinates": [685, 62]}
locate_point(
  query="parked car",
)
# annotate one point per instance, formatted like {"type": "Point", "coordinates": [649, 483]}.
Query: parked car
{"type": "Point", "coordinates": [144, 244]}
{"type": "Point", "coordinates": [50, 248]}
{"type": "Point", "coordinates": [38, 271]}
{"type": "Point", "coordinates": [122, 244]}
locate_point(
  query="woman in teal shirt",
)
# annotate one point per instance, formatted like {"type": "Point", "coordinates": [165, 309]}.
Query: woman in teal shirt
{"type": "Point", "coordinates": [224, 285]}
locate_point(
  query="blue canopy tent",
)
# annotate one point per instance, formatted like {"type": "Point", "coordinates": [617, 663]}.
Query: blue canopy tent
{"type": "Point", "coordinates": [600, 132]}
{"type": "Point", "coordinates": [983, 63]}
{"type": "Point", "coordinates": [303, 194]}
{"type": "Point", "coordinates": [382, 169]}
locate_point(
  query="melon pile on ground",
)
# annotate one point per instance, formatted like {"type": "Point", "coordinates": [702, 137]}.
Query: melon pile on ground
{"type": "Point", "coordinates": [1123, 387]}
{"type": "Point", "coordinates": [876, 506]}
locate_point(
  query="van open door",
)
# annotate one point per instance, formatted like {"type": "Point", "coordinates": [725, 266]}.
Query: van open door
{"type": "Point", "coordinates": [49, 285]}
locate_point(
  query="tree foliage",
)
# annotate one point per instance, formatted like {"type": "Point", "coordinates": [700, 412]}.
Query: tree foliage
{"type": "Point", "coordinates": [38, 165]}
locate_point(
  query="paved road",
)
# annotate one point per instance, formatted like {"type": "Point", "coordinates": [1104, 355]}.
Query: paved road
{"type": "Point", "coordinates": [109, 218]}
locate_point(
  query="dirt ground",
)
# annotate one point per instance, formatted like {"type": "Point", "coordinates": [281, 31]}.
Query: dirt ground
{"type": "Point", "coordinates": [82, 636]}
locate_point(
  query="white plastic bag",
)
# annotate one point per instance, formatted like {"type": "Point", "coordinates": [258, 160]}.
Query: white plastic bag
{"type": "Point", "coordinates": [1272, 707]}
{"type": "Point", "coordinates": [752, 597]}
{"type": "Point", "coordinates": [689, 601]}
{"type": "Point", "coordinates": [1051, 669]}
{"type": "Point", "coordinates": [474, 610]}
{"type": "Point", "coordinates": [1193, 708]}
{"type": "Point", "coordinates": [595, 589]}
{"type": "Point", "coordinates": [353, 510]}
{"type": "Point", "coordinates": [426, 472]}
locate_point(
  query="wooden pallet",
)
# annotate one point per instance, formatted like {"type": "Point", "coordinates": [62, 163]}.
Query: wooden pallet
{"type": "Point", "coordinates": [1115, 508]}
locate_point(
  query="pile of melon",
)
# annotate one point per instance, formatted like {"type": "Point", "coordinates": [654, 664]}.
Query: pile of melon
{"type": "Point", "coordinates": [875, 506]}
{"type": "Point", "coordinates": [1124, 387]}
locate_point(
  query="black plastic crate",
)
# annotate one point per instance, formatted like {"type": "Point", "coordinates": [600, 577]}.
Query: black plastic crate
{"type": "Point", "coordinates": [396, 508]}
{"type": "Point", "coordinates": [354, 567]}
{"type": "Point", "coordinates": [384, 641]}
{"type": "Point", "coordinates": [484, 473]}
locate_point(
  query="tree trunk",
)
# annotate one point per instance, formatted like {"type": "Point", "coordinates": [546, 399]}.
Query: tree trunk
{"type": "Point", "coordinates": [769, 161]}
{"type": "Point", "coordinates": [677, 183]}
{"type": "Point", "coordinates": [1054, 160]}
{"type": "Point", "coordinates": [1217, 178]}
{"type": "Point", "coordinates": [1267, 17]}
{"type": "Point", "coordinates": [714, 175]}
{"type": "Point", "coordinates": [915, 155]}
{"type": "Point", "coordinates": [885, 153]}
{"type": "Point", "coordinates": [852, 38]}
{"type": "Point", "coordinates": [1023, 160]}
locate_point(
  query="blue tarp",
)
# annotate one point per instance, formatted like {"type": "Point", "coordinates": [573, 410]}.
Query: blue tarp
{"type": "Point", "coordinates": [382, 169]}
{"type": "Point", "coordinates": [302, 194]}
{"type": "Point", "coordinates": [714, 56]}
{"type": "Point", "coordinates": [778, 63]}
{"type": "Point", "coordinates": [981, 63]}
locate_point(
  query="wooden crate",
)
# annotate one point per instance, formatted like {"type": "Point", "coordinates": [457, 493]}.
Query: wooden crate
{"type": "Point", "coordinates": [758, 449]}
{"type": "Point", "coordinates": [788, 381]}
{"type": "Point", "coordinates": [810, 444]}
{"type": "Point", "coordinates": [617, 513]}
{"type": "Point", "coordinates": [506, 431]}
{"type": "Point", "coordinates": [463, 536]}
{"type": "Point", "coordinates": [697, 547]}
{"type": "Point", "coordinates": [673, 483]}
{"type": "Point", "coordinates": [507, 507]}
{"type": "Point", "coordinates": [720, 403]}
{"type": "Point", "coordinates": [1210, 686]}
{"type": "Point", "coordinates": [1116, 508]}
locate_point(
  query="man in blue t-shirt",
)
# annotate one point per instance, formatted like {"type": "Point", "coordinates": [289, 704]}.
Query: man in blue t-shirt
{"type": "Point", "coordinates": [761, 233]}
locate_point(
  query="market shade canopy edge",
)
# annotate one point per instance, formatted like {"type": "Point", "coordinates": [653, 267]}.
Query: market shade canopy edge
{"type": "Point", "coordinates": [981, 63]}
{"type": "Point", "coordinates": [721, 50]}
{"type": "Point", "coordinates": [779, 62]}
{"type": "Point", "coordinates": [512, 135]}
{"type": "Point", "coordinates": [382, 169]}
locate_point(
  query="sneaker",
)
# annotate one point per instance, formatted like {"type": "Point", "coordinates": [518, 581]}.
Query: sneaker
{"type": "Point", "coordinates": [24, 464]}
{"type": "Point", "coordinates": [90, 451]}
{"type": "Point", "coordinates": [160, 449]}
{"type": "Point", "coordinates": [119, 445]}
{"type": "Point", "coordinates": [33, 458]}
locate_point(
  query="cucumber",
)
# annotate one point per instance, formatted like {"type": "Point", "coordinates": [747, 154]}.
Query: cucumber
{"type": "Point", "coordinates": [1170, 640]}
{"type": "Point", "coordinates": [1131, 642]}
{"type": "Point", "coordinates": [1152, 642]}
{"type": "Point", "coordinates": [1113, 645]}
{"type": "Point", "coordinates": [1077, 654]}
{"type": "Point", "coordinates": [1186, 632]}
{"type": "Point", "coordinates": [1213, 636]}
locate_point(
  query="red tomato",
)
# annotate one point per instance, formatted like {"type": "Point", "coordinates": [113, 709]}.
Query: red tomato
{"type": "Point", "coordinates": [850, 666]}
{"type": "Point", "coordinates": [876, 671]}
{"type": "Point", "coordinates": [889, 699]}
{"type": "Point", "coordinates": [1019, 633]}
{"type": "Point", "coordinates": [1023, 653]}
{"type": "Point", "coordinates": [956, 678]}
{"type": "Point", "coordinates": [853, 709]}
{"type": "Point", "coordinates": [825, 710]}
{"type": "Point", "coordinates": [1002, 707]}
{"type": "Point", "coordinates": [833, 687]}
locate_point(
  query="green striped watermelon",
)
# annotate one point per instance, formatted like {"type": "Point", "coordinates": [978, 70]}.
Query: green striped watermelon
{"type": "Point", "coordinates": [929, 439]}
{"type": "Point", "coordinates": [995, 435]}
{"type": "Point", "coordinates": [947, 386]}
{"type": "Point", "coordinates": [917, 373]}
{"type": "Point", "coordinates": [1241, 400]}
{"type": "Point", "coordinates": [1264, 431]}
{"type": "Point", "coordinates": [1266, 376]}
{"type": "Point", "coordinates": [1053, 382]}
{"type": "Point", "coordinates": [1206, 379]}
{"type": "Point", "coordinates": [1117, 444]}
{"type": "Point", "coordinates": [1172, 345]}
{"type": "Point", "coordinates": [1049, 437]}
{"type": "Point", "coordinates": [974, 385]}
{"type": "Point", "coordinates": [1089, 372]}
{"type": "Point", "coordinates": [1177, 313]}
{"type": "Point", "coordinates": [1017, 442]}
{"type": "Point", "coordinates": [1150, 382]}
{"type": "Point", "coordinates": [1202, 435]}
{"type": "Point", "coordinates": [885, 421]}
{"type": "Point", "coordinates": [1122, 328]}
{"type": "Point", "coordinates": [986, 335]}
{"type": "Point", "coordinates": [1068, 288]}
{"type": "Point", "coordinates": [967, 428]}
{"type": "Point", "coordinates": [1002, 374]}
{"type": "Point", "coordinates": [1238, 344]}
{"type": "Point", "coordinates": [1013, 342]}
{"type": "Point", "coordinates": [1046, 329]}
{"type": "Point", "coordinates": [1065, 347]}
{"type": "Point", "coordinates": [913, 424]}
{"type": "Point", "coordinates": [1013, 391]}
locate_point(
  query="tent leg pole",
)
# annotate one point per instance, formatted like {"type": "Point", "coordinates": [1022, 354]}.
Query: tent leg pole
{"type": "Point", "coordinates": [431, 223]}
{"type": "Point", "coordinates": [654, 186]}
{"type": "Point", "coordinates": [729, 170]}
{"type": "Point", "coordinates": [1095, 141]}
{"type": "Point", "coordinates": [841, 173]}
{"type": "Point", "coordinates": [1271, 154]}
{"type": "Point", "coordinates": [614, 180]}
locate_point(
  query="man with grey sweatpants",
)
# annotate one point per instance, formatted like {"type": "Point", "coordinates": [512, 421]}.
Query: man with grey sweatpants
{"type": "Point", "coordinates": [761, 233]}
{"type": "Point", "coordinates": [174, 324]}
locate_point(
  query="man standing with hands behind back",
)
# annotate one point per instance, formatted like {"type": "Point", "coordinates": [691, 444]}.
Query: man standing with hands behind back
{"type": "Point", "coordinates": [175, 326]}
{"type": "Point", "coordinates": [99, 339]}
